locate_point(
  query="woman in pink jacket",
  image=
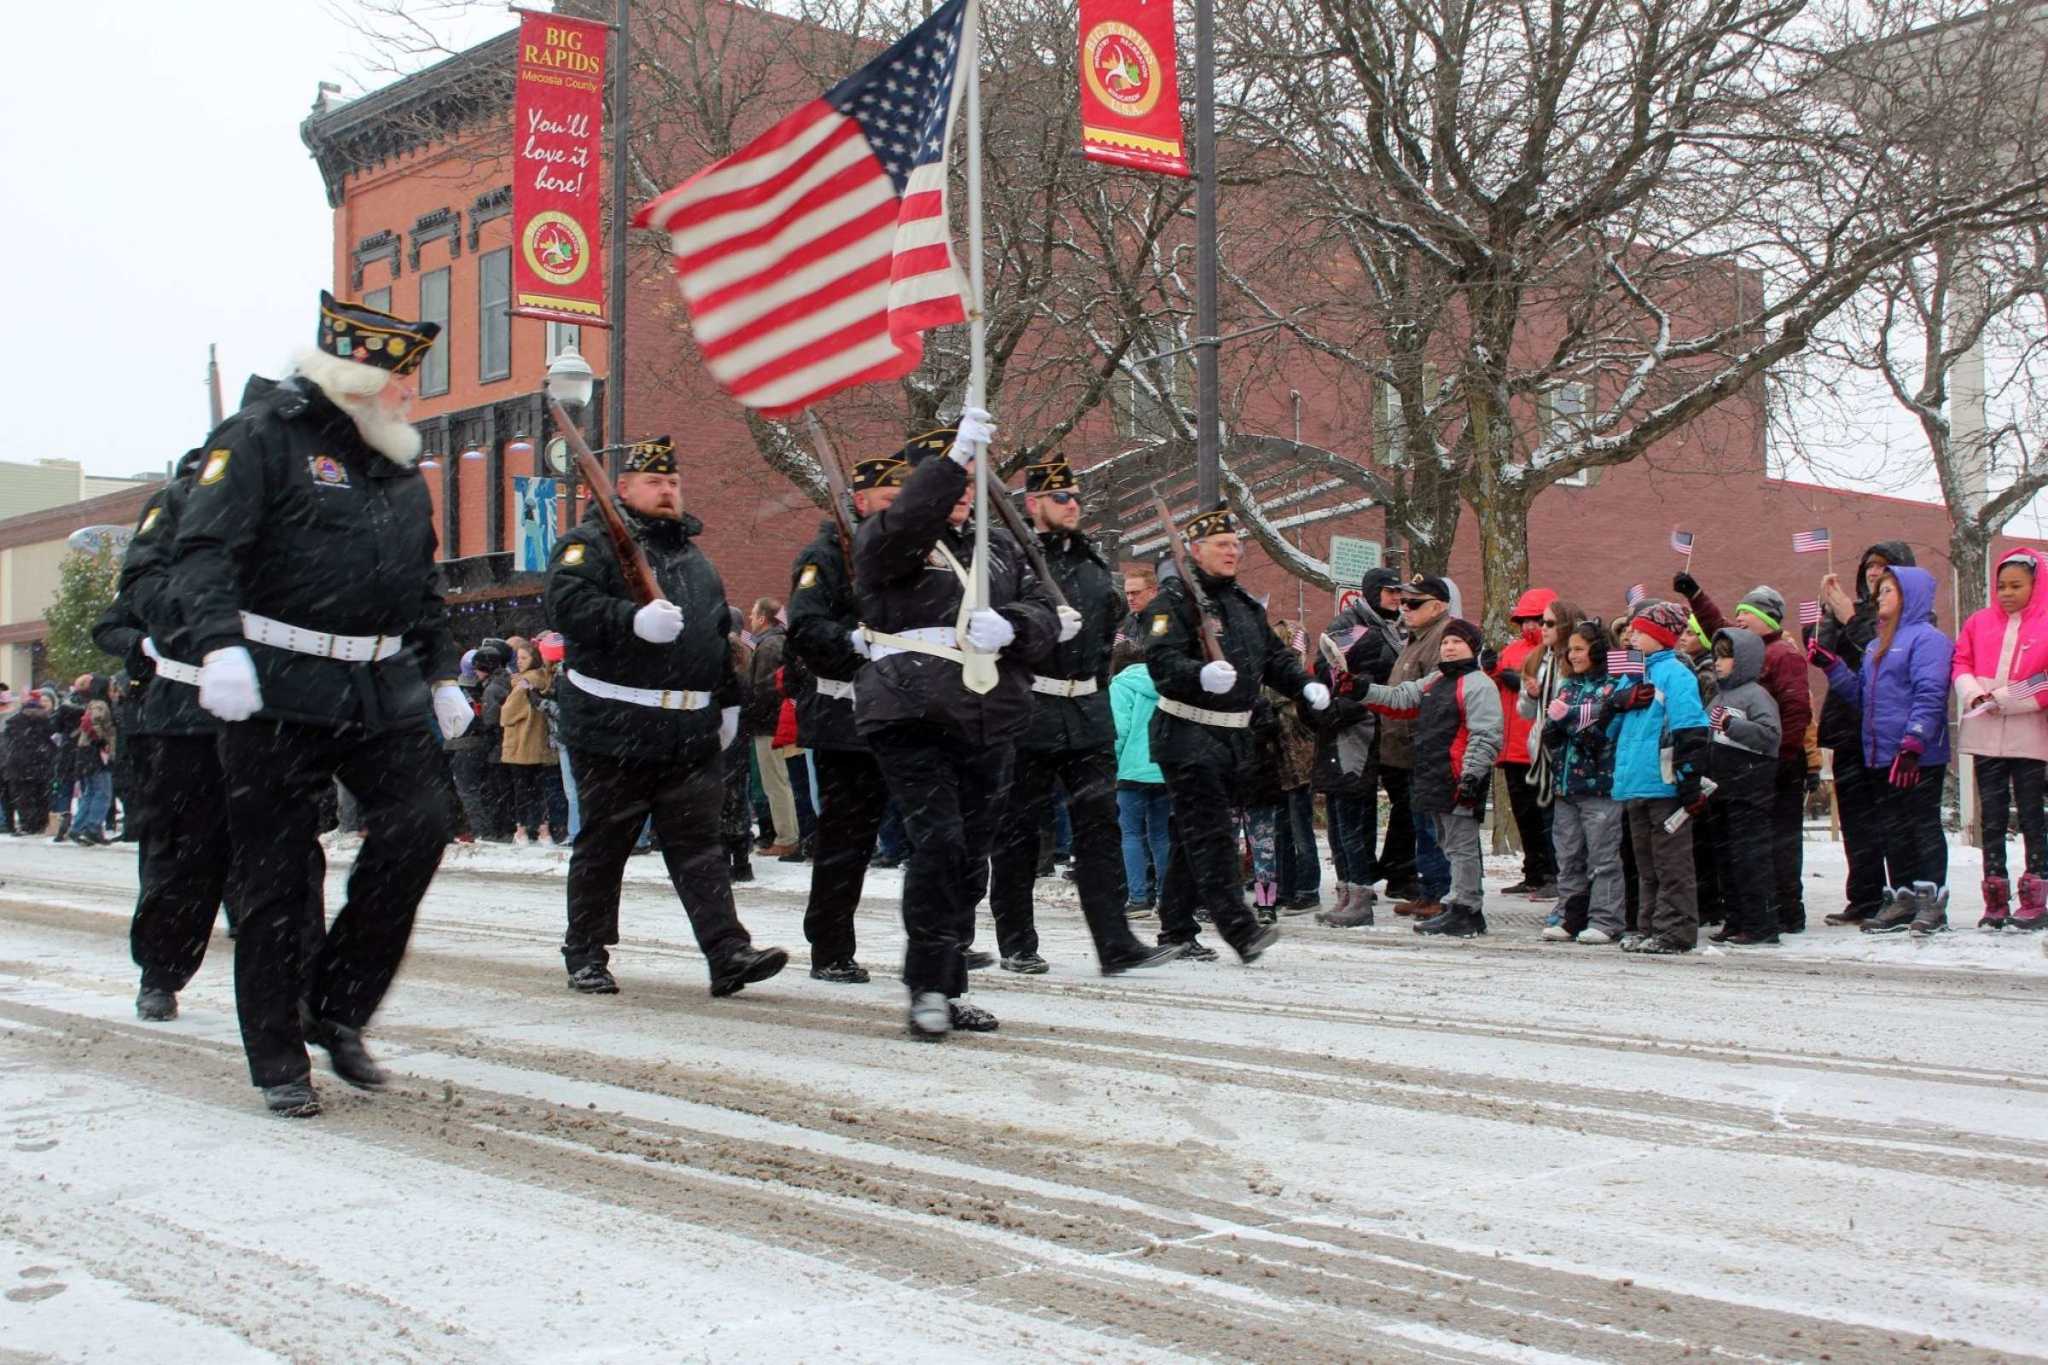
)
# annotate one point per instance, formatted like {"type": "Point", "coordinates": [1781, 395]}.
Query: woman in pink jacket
{"type": "Point", "coordinates": [1998, 648]}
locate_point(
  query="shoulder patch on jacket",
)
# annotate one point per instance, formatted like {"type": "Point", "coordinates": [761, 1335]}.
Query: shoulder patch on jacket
{"type": "Point", "coordinates": [149, 521]}
{"type": "Point", "coordinates": [1159, 624]}
{"type": "Point", "coordinates": [808, 576]}
{"type": "Point", "coordinates": [216, 466]}
{"type": "Point", "coordinates": [572, 553]}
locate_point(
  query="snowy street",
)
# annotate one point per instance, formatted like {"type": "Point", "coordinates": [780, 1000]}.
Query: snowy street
{"type": "Point", "coordinates": [1366, 1147]}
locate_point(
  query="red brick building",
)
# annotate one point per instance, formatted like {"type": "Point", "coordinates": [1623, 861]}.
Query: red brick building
{"type": "Point", "coordinates": [417, 175]}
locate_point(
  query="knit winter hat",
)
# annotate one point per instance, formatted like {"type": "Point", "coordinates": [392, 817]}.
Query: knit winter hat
{"type": "Point", "coordinates": [1765, 603]}
{"type": "Point", "coordinates": [1466, 631]}
{"type": "Point", "coordinates": [1663, 622]}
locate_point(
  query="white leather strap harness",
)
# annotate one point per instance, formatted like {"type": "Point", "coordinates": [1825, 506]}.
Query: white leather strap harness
{"type": "Point", "coordinates": [351, 649]}
{"type": "Point", "coordinates": [1064, 687]}
{"type": "Point", "coordinates": [187, 674]}
{"type": "Point", "coordinates": [1228, 720]}
{"type": "Point", "coordinates": [659, 698]}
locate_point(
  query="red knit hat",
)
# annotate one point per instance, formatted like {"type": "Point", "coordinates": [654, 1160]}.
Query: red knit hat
{"type": "Point", "coordinates": [1663, 622]}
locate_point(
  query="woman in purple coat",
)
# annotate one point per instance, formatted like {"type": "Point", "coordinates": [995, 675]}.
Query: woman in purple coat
{"type": "Point", "coordinates": [1902, 692]}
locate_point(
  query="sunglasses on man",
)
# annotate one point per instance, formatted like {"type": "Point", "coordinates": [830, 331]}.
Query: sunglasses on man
{"type": "Point", "coordinates": [1412, 603]}
{"type": "Point", "coordinates": [1062, 498]}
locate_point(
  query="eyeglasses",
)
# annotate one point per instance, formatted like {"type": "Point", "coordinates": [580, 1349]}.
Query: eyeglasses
{"type": "Point", "coordinates": [1062, 498]}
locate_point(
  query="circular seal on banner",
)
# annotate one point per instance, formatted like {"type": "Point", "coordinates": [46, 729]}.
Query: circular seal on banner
{"type": "Point", "coordinates": [1121, 69]}
{"type": "Point", "coordinates": [555, 248]}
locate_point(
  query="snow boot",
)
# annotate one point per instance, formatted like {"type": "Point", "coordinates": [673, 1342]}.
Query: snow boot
{"type": "Point", "coordinates": [1656, 945]}
{"type": "Point", "coordinates": [1933, 914]}
{"type": "Point", "coordinates": [1901, 904]}
{"type": "Point", "coordinates": [970, 1018]}
{"type": "Point", "coordinates": [592, 979]}
{"type": "Point", "coordinates": [156, 1005]}
{"type": "Point", "coordinates": [745, 967]}
{"type": "Point", "coordinates": [931, 1019]}
{"type": "Point", "coordinates": [1354, 908]}
{"type": "Point", "coordinates": [292, 1100]}
{"type": "Point", "coordinates": [1456, 921]}
{"type": "Point", "coordinates": [1194, 950]}
{"type": "Point", "coordinates": [2033, 911]}
{"type": "Point", "coordinates": [1997, 904]}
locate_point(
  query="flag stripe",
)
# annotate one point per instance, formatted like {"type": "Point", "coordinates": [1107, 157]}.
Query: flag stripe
{"type": "Point", "coordinates": [759, 161]}
{"type": "Point", "coordinates": [737, 306]}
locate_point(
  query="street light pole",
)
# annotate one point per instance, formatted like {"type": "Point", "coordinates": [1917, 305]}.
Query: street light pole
{"type": "Point", "coordinates": [615, 368]}
{"type": "Point", "coordinates": [1208, 393]}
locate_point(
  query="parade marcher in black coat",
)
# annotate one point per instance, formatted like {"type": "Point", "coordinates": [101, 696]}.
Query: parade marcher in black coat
{"type": "Point", "coordinates": [1071, 740]}
{"type": "Point", "coordinates": [944, 750]}
{"type": "Point", "coordinates": [1201, 734]}
{"type": "Point", "coordinates": [650, 700]}
{"type": "Point", "coordinates": [824, 638]}
{"type": "Point", "coordinates": [305, 577]}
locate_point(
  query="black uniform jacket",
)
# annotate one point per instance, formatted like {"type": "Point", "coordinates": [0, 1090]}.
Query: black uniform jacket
{"type": "Point", "coordinates": [822, 615]}
{"type": "Point", "coordinates": [1059, 724]}
{"type": "Point", "coordinates": [587, 601]}
{"type": "Point", "coordinates": [291, 516]}
{"type": "Point", "coordinates": [1173, 651]}
{"type": "Point", "coordinates": [903, 584]}
{"type": "Point", "coordinates": [144, 606]}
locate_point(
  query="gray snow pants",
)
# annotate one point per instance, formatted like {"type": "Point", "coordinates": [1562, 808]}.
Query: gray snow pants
{"type": "Point", "coordinates": [1457, 834]}
{"type": "Point", "coordinates": [1586, 832]}
{"type": "Point", "coordinates": [1669, 889]}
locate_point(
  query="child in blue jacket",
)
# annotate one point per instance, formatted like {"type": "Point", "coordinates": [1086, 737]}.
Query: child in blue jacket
{"type": "Point", "coordinates": [1659, 759]}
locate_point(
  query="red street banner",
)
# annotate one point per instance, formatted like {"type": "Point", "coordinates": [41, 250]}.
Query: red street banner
{"type": "Point", "coordinates": [1130, 92]}
{"type": "Point", "coordinates": [558, 127]}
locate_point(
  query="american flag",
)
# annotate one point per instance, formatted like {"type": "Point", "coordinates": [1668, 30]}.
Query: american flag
{"type": "Point", "coordinates": [1299, 640]}
{"type": "Point", "coordinates": [1809, 613]}
{"type": "Point", "coordinates": [1810, 542]}
{"type": "Point", "coordinates": [813, 258]}
{"type": "Point", "coordinates": [1717, 719]}
{"type": "Point", "coordinates": [1636, 593]}
{"type": "Point", "coordinates": [1681, 541]}
{"type": "Point", "coordinates": [1625, 663]}
{"type": "Point", "coordinates": [1588, 713]}
{"type": "Point", "coordinates": [2032, 687]}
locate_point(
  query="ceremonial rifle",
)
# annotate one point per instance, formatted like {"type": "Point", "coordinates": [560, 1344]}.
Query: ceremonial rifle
{"type": "Point", "coordinates": [1027, 542]}
{"type": "Point", "coordinates": [1212, 630]}
{"type": "Point", "coordinates": [632, 559]}
{"type": "Point", "coordinates": [835, 481]}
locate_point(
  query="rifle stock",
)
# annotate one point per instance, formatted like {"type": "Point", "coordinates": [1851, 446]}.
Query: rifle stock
{"type": "Point", "coordinates": [1212, 631]}
{"type": "Point", "coordinates": [632, 559]}
{"type": "Point", "coordinates": [835, 482]}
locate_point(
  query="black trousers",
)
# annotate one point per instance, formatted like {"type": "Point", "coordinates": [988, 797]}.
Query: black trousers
{"type": "Point", "coordinates": [275, 772]}
{"type": "Point", "coordinates": [1089, 776]}
{"type": "Point", "coordinates": [1738, 826]}
{"type": "Point", "coordinates": [529, 804]}
{"type": "Point", "coordinates": [2001, 784]}
{"type": "Point", "coordinates": [1203, 869]}
{"type": "Point", "coordinates": [28, 803]}
{"type": "Point", "coordinates": [468, 770]}
{"type": "Point", "coordinates": [1788, 841]}
{"type": "Point", "coordinates": [1863, 828]}
{"type": "Point", "coordinates": [1915, 847]}
{"type": "Point", "coordinates": [1709, 892]}
{"type": "Point", "coordinates": [853, 794]}
{"type": "Point", "coordinates": [1539, 864]}
{"type": "Point", "coordinates": [180, 813]}
{"type": "Point", "coordinates": [950, 792]}
{"type": "Point", "coordinates": [617, 795]}
{"type": "Point", "coordinates": [1397, 855]}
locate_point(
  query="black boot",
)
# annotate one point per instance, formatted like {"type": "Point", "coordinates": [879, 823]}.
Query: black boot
{"type": "Point", "coordinates": [1139, 956]}
{"type": "Point", "coordinates": [292, 1100]}
{"type": "Point", "coordinates": [156, 1005]}
{"type": "Point", "coordinates": [351, 1061]}
{"type": "Point", "coordinates": [745, 967]}
{"type": "Point", "coordinates": [1455, 922]}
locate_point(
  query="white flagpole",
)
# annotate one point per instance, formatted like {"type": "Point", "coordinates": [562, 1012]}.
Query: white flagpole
{"type": "Point", "coordinates": [979, 672]}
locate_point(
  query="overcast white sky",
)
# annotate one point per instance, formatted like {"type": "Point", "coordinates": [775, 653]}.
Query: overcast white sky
{"type": "Point", "coordinates": [160, 199]}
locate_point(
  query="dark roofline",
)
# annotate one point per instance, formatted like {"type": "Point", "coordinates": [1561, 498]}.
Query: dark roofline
{"type": "Point", "coordinates": [2000, 9]}
{"type": "Point", "coordinates": [411, 112]}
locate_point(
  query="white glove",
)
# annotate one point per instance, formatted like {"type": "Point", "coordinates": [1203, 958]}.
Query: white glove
{"type": "Point", "coordinates": [974, 432]}
{"type": "Point", "coordinates": [1070, 624]}
{"type": "Point", "coordinates": [728, 726]}
{"type": "Point", "coordinates": [1317, 696]}
{"type": "Point", "coordinates": [659, 622]}
{"type": "Point", "coordinates": [227, 684]}
{"type": "Point", "coordinates": [989, 632]}
{"type": "Point", "coordinates": [857, 637]}
{"type": "Point", "coordinates": [1218, 677]}
{"type": "Point", "coordinates": [452, 711]}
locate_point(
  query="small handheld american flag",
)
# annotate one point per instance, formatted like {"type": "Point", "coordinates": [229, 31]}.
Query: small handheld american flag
{"type": "Point", "coordinates": [1588, 713]}
{"type": "Point", "coordinates": [1636, 593]}
{"type": "Point", "coordinates": [1809, 613]}
{"type": "Point", "coordinates": [1681, 541]}
{"type": "Point", "coordinates": [1810, 542]}
{"type": "Point", "coordinates": [1299, 640]}
{"type": "Point", "coordinates": [1625, 663]}
{"type": "Point", "coordinates": [1717, 719]}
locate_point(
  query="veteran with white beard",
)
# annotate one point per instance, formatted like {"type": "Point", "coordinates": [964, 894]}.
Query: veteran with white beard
{"type": "Point", "coordinates": [304, 567]}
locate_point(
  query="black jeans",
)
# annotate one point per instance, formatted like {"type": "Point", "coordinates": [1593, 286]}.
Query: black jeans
{"type": "Point", "coordinates": [1089, 776]}
{"type": "Point", "coordinates": [1788, 841]}
{"type": "Point", "coordinates": [1739, 827]}
{"type": "Point", "coordinates": [950, 792]}
{"type": "Point", "coordinates": [617, 796]}
{"type": "Point", "coordinates": [2002, 783]}
{"type": "Point", "coordinates": [1203, 869]}
{"type": "Point", "coordinates": [28, 803]}
{"type": "Point", "coordinates": [1863, 829]}
{"type": "Point", "coordinates": [529, 804]}
{"type": "Point", "coordinates": [853, 794]}
{"type": "Point", "coordinates": [1397, 855]}
{"type": "Point", "coordinates": [1915, 847]}
{"type": "Point", "coordinates": [1532, 823]}
{"type": "Point", "coordinates": [275, 772]}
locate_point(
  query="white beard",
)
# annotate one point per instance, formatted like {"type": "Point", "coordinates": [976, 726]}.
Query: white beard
{"type": "Point", "coordinates": [354, 388]}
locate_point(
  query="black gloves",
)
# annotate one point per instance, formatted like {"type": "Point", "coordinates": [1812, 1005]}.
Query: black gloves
{"type": "Point", "coordinates": [1812, 782]}
{"type": "Point", "coordinates": [1512, 680]}
{"type": "Point", "coordinates": [1685, 585]}
{"type": "Point", "coordinates": [1688, 788]}
{"type": "Point", "coordinates": [1471, 792]}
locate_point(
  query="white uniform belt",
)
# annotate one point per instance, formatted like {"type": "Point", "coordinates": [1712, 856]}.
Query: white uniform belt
{"type": "Point", "coordinates": [1063, 687]}
{"type": "Point", "coordinates": [660, 698]}
{"type": "Point", "coordinates": [1229, 720]}
{"type": "Point", "coordinates": [941, 642]}
{"type": "Point", "coordinates": [351, 649]}
{"type": "Point", "coordinates": [835, 689]}
{"type": "Point", "coordinates": [187, 674]}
